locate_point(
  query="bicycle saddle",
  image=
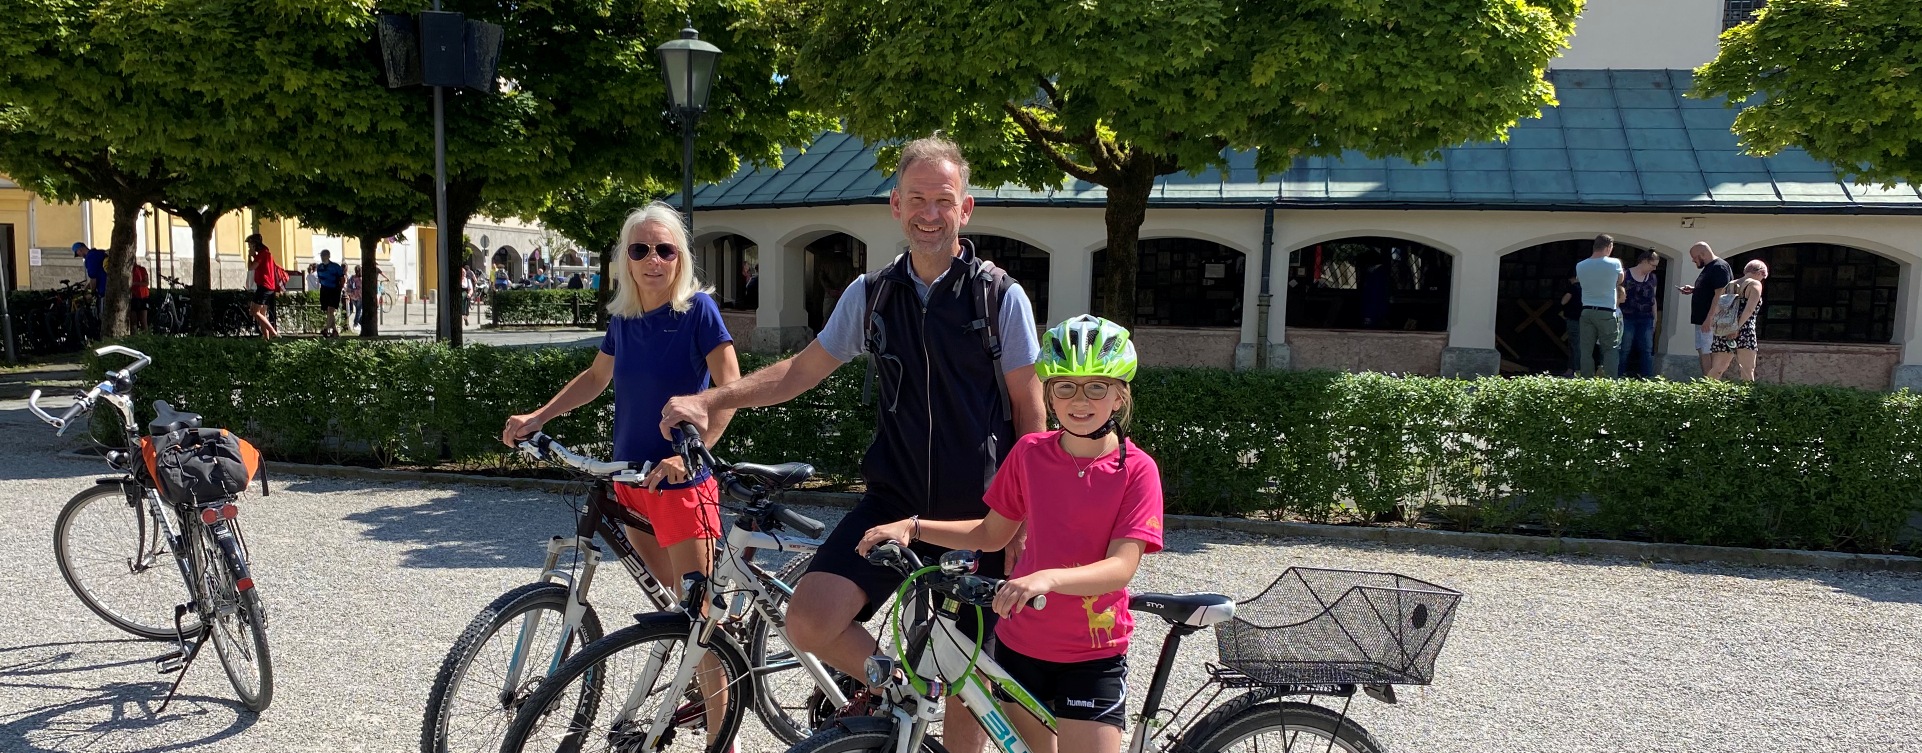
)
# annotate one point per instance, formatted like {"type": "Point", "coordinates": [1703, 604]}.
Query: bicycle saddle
{"type": "Point", "coordinates": [1193, 610]}
{"type": "Point", "coordinates": [167, 420]}
{"type": "Point", "coordinates": [780, 476]}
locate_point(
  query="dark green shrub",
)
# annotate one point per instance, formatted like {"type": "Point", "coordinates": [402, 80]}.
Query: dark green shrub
{"type": "Point", "coordinates": [1699, 462]}
{"type": "Point", "coordinates": [565, 307]}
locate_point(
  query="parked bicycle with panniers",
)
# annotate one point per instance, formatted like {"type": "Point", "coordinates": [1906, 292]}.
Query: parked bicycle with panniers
{"type": "Point", "coordinates": [1312, 633]}
{"type": "Point", "coordinates": [637, 690]}
{"type": "Point", "coordinates": [174, 496]}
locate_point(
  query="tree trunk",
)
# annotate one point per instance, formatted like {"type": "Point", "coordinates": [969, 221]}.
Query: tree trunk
{"type": "Point", "coordinates": [1127, 208]}
{"type": "Point", "coordinates": [202, 287]}
{"type": "Point", "coordinates": [463, 200]}
{"type": "Point", "coordinates": [120, 261]}
{"type": "Point", "coordinates": [603, 293]}
{"type": "Point", "coordinates": [370, 285]}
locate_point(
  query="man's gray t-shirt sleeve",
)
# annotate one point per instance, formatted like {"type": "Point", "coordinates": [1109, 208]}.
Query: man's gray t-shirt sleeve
{"type": "Point", "coordinates": [844, 337]}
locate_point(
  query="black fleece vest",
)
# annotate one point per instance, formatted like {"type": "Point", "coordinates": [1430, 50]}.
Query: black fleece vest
{"type": "Point", "coordinates": [940, 431]}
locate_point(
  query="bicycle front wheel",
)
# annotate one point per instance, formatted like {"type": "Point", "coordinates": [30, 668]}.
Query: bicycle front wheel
{"type": "Point", "coordinates": [115, 559]}
{"type": "Point", "coordinates": [239, 623]}
{"type": "Point", "coordinates": [636, 667]}
{"type": "Point", "coordinates": [1287, 726]}
{"type": "Point", "coordinates": [835, 739]}
{"type": "Point", "coordinates": [505, 652]}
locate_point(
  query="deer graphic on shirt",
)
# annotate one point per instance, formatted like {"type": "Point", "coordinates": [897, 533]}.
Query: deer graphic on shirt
{"type": "Point", "coordinates": [1101, 622]}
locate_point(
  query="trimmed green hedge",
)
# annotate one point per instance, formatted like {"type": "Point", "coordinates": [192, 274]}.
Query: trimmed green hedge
{"type": "Point", "coordinates": [1699, 462]}
{"type": "Point", "coordinates": [562, 306]}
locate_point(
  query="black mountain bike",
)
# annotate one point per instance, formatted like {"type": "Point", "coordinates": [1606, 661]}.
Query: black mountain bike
{"type": "Point", "coordinates": [112, 541]}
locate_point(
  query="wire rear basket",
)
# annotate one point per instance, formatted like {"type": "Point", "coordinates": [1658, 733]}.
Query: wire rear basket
{"type": "Point", "coordinates": [1315, 626]}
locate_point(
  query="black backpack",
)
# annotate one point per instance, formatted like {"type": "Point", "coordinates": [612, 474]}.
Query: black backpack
{"type": "Point", "coordinates": [192, 466]}
{"type": "Point", "coordinates": [990, 284]}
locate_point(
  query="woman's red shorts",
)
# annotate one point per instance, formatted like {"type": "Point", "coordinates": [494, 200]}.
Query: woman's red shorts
{"type": "Point", "coordinates": [677, 514]}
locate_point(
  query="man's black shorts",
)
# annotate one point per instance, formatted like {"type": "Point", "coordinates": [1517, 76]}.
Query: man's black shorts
{"type": "Point", "coordinates": [837, 556]}
{"type": "Point", "coordinates": [1091, 691]}
{"type": "Point", "coordinates": [330, 298]}
{"type": "Point", "coordinates": [263, 296]}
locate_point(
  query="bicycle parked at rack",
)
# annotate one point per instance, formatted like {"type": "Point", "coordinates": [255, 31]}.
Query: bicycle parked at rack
{"type": "Point", "coordinates": [111, 540]}
{"type": "Point", "coordinates": [524, 635]}
{"type": "Point", "coordinates": [636, 690]}
{"type": "Point", "coordinates": [170, 314]}
{"type": "Point", "coordinates": [1312, 633]}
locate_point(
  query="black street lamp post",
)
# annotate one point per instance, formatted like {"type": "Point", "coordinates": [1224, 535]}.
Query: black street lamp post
{"type": "Point", "coordinates": [687, 66]}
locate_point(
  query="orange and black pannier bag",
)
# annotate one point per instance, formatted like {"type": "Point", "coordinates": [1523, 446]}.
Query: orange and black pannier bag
{"type": "Point", "coordinates": [195, 466]}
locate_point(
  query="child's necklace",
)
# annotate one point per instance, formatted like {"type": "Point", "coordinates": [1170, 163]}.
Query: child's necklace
{"type": "Point", "coordinates": [1082, 468]}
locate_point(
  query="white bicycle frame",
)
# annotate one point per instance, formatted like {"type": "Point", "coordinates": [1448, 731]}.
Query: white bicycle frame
{"type": "Point", "coordinates": [577, 588]}
{"type": "Point", "coordinates": [746, 585]}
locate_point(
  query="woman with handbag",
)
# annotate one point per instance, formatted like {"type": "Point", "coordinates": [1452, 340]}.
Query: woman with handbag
{"type": "Point", "coordinates": [1733, 316]}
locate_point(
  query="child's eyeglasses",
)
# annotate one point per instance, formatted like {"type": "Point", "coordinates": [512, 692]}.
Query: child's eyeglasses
{"type": "Point", "coordinates": [638, 251]}
{"type": "Point", "coordinates": [1065, 390]}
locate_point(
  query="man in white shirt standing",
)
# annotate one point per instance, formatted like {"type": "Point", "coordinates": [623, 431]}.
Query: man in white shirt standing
{"type": "Point", "coordinates": [1600, 274]}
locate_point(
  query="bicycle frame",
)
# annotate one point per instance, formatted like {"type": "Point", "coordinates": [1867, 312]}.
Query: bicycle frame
{"type": "Point", "coordinates": [747, 584]}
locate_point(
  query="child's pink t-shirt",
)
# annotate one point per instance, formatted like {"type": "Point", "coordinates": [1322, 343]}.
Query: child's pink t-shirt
{"type": "Point", "coordinates": [1071, 518]}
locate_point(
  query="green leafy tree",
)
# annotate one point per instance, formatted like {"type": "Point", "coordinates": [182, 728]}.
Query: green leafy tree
{"type": "Point", "coordinates": [590, 214]}
{"type": "Point", "coordinates": [367, 208]}
{"type": "Point", "coordinates": [1841, 79]}
{"type": "Point", "coordinates": [1119, 94]}
{"type": "Point", "coordinates": [299, 85]}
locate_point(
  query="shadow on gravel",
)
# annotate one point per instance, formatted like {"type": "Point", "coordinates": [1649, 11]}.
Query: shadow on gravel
{"type": "Point", "coordinates": [452, 531]}
{"type": "Point", "coordinates": [119, 710]}
{"type": "Point", "coordinates": [26, 661]}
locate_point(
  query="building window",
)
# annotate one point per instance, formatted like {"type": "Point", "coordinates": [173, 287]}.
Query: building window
{"type": "Point", "coordinates": [1027, 264]}
{"type": "Point", "coordinates": [1738, 12]}
{"type": "Point", "coordinates": [1825, 293]}
{"type": "Point", "coordinates": [1181, 282]}
{"type": "Point", "coordinates": [732, 266]}
{"type": "Point", "coordinates": [1369, 283]}
{"type": "Point", "coordinates": [1531, 322]}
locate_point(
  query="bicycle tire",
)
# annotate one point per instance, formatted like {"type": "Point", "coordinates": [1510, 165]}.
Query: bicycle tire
{"type": "Point", "coordinates": [1228, 728]}
{"type": "Point", "coordinates": [600, 662]}
{"type": "Point", "coordinates": [839, 739]}
{"type": "Point", "coordinates": [239, 628]}
{"type": "Point", "coordinates": [149, 602]}
{"type": "Point", "coordinates": [779, 714]}
{"type": "Point", "coordinates": [454, 670]}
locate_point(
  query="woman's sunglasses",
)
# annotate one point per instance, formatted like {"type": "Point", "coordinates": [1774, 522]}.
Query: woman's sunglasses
{"type": "Point", "coordinates": [639, 251]}
{"type": "Point", "coordinates": [1066, 390]}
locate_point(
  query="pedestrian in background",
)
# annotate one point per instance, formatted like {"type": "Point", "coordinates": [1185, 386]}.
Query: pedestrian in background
{"type": "Point", "coordinates": [1638, 315]}
{"type": "Point", "coordinates": [1739, 346]}
{"type": "Point", "coordinates": [142, 297]}
{"type": "Point", "coordinates": [1715, 274]}
{"type": "Point", "coordinates": [330, 276]}
{"type": "Point", "coordinates": [269, 278]}
{"type": "Point", "coordinates": [1599, 275]}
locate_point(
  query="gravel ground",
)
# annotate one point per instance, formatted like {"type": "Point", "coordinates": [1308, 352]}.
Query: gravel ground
{"type": "Point", "coordinates": [368, 586]}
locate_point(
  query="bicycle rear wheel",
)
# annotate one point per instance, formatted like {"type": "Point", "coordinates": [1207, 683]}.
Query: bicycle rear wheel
{"type": "Point", "coordinates": [473, 698]}
{"type": "Point", "coordinates": [110, 554]}
{"type": "Point", "coordinates": [634, 666]}
{"type": "Point", "coordinates": [1285, 726]}
{"type": "Point", "coordinates": [786, 698]}
{"type": "Point", "coordinates": [239, 623]}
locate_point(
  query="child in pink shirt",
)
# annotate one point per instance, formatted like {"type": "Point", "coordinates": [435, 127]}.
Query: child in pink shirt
{"type": "Point", "coordinates": [1092, 503]}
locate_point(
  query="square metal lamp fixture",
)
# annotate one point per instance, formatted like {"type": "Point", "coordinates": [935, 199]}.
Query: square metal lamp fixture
{"type": "Point", "coordinates": [687, 67]}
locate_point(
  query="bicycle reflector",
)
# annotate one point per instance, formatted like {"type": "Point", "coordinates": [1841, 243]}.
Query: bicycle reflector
{"type": "Point", "coordinates": [209, 515]}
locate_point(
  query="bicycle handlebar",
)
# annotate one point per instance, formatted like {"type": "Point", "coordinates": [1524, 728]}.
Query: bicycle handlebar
{"type": "Point", "coordinates": [961, 583]}
{"type": "Point", "coordinates": [116, 380]}
{"type": "Point", "coordinates": [540, 446]}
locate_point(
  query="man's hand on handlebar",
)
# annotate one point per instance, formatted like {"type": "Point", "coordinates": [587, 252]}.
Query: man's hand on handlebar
{"type": "Point", "coordinates": [686, 409]}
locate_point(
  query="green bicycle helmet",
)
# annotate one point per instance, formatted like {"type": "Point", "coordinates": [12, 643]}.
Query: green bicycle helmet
{"type": "Point", "coordinates": [1087, 346]}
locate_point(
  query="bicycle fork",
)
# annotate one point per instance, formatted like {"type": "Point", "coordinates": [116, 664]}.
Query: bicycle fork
{"type": "Point", "coordinates": [700, 632]}
{"type": "Point", "coordinates": [570, 618]}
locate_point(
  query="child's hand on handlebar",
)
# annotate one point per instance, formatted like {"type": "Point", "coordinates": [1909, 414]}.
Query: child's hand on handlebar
{"type": "Point", "coordinates": [1014, 594]}
{"type": "Point", "coordinates": [900, 532]}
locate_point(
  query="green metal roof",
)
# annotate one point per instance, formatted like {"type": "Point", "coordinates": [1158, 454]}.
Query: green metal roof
{"type": "Point", "coordinates": [1619, 140]}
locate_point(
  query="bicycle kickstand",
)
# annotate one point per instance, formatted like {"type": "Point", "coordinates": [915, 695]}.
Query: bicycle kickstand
{"type": "Point", "coordinates": [181, 657]}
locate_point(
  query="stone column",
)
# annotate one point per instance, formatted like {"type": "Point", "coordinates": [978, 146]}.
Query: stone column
{"type": "Point", "coordinates": [780, 324]}
{"type": "Point", "coordinates": [1908, 330]}
{"type": "Point", "coordinates": [1472, 302]}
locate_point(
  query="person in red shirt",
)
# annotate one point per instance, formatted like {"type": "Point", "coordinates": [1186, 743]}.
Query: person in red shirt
{"type": "Point", "coordinates": [142, 296]}
{"type": "Point", "coordinates": [1092, 502]}
{"type": "Point", "coordinates": [268, 279]}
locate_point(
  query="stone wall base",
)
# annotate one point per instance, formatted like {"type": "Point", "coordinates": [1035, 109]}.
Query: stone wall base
{"type": "Point", "coordinates": [1468, 363]}
{"type": "Point", "coordinates": [778, 340]}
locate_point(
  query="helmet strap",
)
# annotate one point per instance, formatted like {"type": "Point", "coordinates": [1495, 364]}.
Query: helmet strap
{"type": "Point", "coordinates": [1105, 429]}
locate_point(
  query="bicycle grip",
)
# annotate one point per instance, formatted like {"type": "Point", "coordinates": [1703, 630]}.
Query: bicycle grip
{"type": "Point", "coordinates": [807, 526]}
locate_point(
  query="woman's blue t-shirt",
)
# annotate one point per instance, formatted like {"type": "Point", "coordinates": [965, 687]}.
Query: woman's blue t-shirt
{"type": "Point", "coordinates": [659, 355]}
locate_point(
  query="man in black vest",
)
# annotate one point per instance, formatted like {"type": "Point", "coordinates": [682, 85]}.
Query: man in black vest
{"type": "Point", "coordinates": [924, 332]}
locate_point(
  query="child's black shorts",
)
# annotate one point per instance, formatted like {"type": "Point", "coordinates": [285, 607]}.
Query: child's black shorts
{"type": "Point", "coordinates": [1091, 691]}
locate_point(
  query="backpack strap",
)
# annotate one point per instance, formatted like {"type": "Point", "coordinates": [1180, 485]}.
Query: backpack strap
{"type": "Point", "coordinates": [877, 292]}
{"type": "Point", "coordinates": [991, 284]}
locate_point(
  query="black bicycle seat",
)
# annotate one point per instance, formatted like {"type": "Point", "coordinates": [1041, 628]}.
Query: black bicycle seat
{"type": "Point", "coordinates": [779, 476]}
{"type": "Point", "coordinates": [1193, 610]}
{"type": "Point", "coordinates": [167, 420]}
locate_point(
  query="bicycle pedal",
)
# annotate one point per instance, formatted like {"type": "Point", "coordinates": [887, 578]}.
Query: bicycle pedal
{"type": "Point", "coordinates": [171, 662]}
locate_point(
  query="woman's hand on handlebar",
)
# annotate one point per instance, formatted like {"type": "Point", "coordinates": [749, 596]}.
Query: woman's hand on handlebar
{"type": "Point", "coordinates": [900, 532]}
{"type": "Point", "coordinates": [521, 426]}
{"type": "Point", "coordinates": [671, 469]}
{"type": "Point", "coordinates": [1014, 594]}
